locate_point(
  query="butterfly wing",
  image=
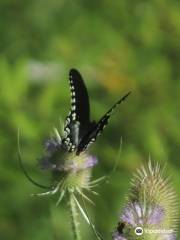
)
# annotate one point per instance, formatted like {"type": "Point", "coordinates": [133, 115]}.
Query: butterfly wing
{"type": "Point", "coordinates": [96, 130]}
{"type": "Point", "coordinates": [78, 119]}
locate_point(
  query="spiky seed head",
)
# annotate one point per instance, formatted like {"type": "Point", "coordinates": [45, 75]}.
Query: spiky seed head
{"type": "Point", "coordinates": [151, 205]}
{"type": "Point", "coordinates": [71, 172]}
{"type": "Point", "coordinates": [78, 170]}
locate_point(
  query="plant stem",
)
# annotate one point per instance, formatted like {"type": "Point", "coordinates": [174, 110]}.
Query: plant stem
{"type": "Point", "coordinates": [74, 217]}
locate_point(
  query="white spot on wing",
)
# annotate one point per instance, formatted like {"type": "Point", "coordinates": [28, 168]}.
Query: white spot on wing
{"type": "Point", "coordinates": [74, 116]}
{"type": "Point", "coordinates": [73, 108]}
{"type": "Point", "coordinates": [73, 100]}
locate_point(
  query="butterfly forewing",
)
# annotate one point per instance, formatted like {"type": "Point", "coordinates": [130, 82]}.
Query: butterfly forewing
{"type": "Point", "coordinates": [98, 128]}
{"type": "Point", "coordinates": [78, 119]}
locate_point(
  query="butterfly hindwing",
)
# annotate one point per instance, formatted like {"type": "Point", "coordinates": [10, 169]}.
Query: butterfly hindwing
{"type": "Point", "coordinates": [78, 119]}
{"type": "Point", "coordinates": [98, 128]}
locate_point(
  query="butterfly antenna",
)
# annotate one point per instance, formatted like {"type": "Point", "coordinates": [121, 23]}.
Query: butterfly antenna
{"type": "Point", "coordinates": [25, 172]}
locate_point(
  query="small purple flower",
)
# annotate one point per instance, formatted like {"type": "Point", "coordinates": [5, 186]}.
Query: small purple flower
{"type": "Point", "coordinates": [117, 236]}
{"type": "Point", "coordinates": [128, 215]}
{"type": "Point", "coordinates": [136, 214]}
{"type": "Point", "coordinates": [56, 159]}
{"type": "Point", "coordinates": [133, 214]}
{"type": "Point", "coordinates": [52, 144]}
{"type": "Point", "coordinates": [45, 164]}
{"type": "Point", "coordinates": [50, 160]}
{"type": "Point", "coordinates": [90, 162]}
{"type": "Point", "coordinates": [76, 166]}
{"type": "Point", "coordinates": [156, 215]}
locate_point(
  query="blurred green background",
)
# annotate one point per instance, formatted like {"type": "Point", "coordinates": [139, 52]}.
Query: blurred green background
{"type": "Point", "coordinates": [117, 46]}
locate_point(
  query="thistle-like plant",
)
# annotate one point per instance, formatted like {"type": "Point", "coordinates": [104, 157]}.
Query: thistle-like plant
{"type": "Point", "coordinates": [71, 176]}
{"type": "Point", "coordinates": [150, 211]}
{"type": "Point", "coordinates": [66, 153]}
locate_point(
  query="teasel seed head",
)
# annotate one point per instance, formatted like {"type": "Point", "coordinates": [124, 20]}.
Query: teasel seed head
{"type": "Point", "coordinates": [151, 205]}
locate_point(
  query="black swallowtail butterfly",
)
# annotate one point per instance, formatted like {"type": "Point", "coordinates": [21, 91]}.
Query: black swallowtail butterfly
{"type": "Point", "coordinates": [80, 132]}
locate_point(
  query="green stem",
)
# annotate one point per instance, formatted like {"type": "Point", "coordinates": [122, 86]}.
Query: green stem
{"type": "Point", "coordinates": [74, 217]}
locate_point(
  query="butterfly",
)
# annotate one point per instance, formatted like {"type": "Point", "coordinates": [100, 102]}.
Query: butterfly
{"type": "Point", "coordinates": [79, 131]}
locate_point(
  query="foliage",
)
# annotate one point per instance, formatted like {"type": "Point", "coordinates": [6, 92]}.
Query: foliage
{"type": "Point", "coordinates": [118, 46]}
